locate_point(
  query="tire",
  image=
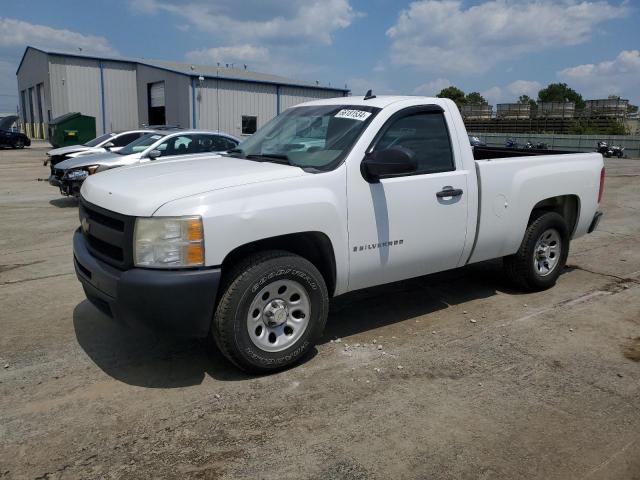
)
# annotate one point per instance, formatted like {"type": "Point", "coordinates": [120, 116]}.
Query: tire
{"type": "Point", "coordinates": [535, 269]}
{"type": "Point", "coordinates": [19, 144]}
{"type": "Point", "coordinates": [272, 312]}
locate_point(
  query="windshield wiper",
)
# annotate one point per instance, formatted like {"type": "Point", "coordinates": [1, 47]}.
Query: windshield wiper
{"type": "Point", "coordinates": [271, 156]}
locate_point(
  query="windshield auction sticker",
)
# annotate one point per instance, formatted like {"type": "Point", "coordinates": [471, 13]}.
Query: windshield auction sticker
{"type": "Point", "coordinates": [359, 115]}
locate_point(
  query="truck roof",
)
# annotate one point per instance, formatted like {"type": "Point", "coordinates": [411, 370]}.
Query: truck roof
{"type": "Point", "coordinates": [379, 101]}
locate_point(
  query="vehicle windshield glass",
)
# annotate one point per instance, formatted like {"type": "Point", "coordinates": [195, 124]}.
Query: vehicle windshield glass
{"type": "Point", "coordinates": [317, 137]}
{"type": "Point", "coordinates": [141, 144]}
{"type": "Point", "coordinates": [98, 140]}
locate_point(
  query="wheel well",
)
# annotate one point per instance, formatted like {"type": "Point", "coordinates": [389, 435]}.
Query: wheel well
{"type": "Point", "coordinates": [567, 206]}
{"type": "Point", "coordinates": [313, 246]}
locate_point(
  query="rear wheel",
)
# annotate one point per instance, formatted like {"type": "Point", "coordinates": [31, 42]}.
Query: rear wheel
{"type": "Point", "coordinates": [542, 254]}
{"type": "Point", "coordinates": [272, 312]}
{"type": "Point", "coordinates": [19, 143]}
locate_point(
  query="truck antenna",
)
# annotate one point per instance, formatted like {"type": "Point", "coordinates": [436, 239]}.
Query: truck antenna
{"type": "Point", "coordinates": [369, 95]}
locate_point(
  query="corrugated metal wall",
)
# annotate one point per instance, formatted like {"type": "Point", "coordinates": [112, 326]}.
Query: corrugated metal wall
{"type": "Point", "coordinates": [83, 88]}
{"type": "Point", "coordinates": [74, 84]}
{"type": "Point", "coordinates": [290, 96]}
{"type": "Point", "coordinates": [120, 96]}
{"type": "Point", "coordinates": [59, 98]}
{"type": "Point", "coordinates": [33, 72]}
{"type": "Point", "coordinates": [221, 104]}
{"type": "Point", "coordinates": [177, 98]}
{"type": "Point", "coordinates": [76, 87]}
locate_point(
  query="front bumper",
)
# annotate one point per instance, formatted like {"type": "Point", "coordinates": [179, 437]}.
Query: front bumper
{"type": "Point", "coordinates": [595, 222]}
{"type": "Point", "coordinates": [67, 187]}
{"type": "Point", "coordinates": [179, 302]}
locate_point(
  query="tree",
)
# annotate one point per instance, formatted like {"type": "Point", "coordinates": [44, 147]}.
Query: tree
{"type": "Point", "coordinates": [454, 93]}
{"type": "Point", "coordinates": [474, 98]}
{"type": "Point", "coordinates": [561, 92]}
{"type": "Point", "coordinates": [524, 99]}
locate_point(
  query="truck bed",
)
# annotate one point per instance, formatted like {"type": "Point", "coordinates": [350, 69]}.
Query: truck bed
{"type": "Point", "coordinates": [510, 189]}
{"type": "Point", "coordinates": [489, 153]}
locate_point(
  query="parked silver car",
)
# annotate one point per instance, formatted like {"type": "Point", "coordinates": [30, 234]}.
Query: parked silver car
{"type": "Point", "coordinates": [109, 142]}
{"type": "Point", "coordinates": [155, 145]}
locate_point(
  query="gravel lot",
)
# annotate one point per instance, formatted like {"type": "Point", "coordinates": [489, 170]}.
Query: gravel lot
{"type": "Point", "coordinates": [540, 386]}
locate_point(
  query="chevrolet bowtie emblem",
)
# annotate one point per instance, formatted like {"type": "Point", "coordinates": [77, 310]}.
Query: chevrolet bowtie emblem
{"type": "Point", "coordinates": [85, 225]}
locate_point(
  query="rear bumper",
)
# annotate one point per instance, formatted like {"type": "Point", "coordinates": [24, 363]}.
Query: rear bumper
{"type": "Point", "coordinates": [179, 302]}
{"type": "Point", "coordinates": [595, 222]}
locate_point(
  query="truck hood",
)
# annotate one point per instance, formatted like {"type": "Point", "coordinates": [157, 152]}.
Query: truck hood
{"type": "Point", "coordinates": [105, 158]}
{"type": "Point", "coordinates": [141, 189]}
{"type": "Point", "coordinates": [68, 150]}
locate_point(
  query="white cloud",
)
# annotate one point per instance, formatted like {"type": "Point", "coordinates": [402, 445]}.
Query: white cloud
{"type": "Point", "coordinates": [360, 85]}
{"type": "Point", "coordinates": [434, 35]}
{"type": "Point", "coordinates": [493, 95]}
{"type": "Point", "coordinates": [237, 53]}
{"type": "Point", "coordinates": [8, 87]}
{"type": "Point", "coordinates": [511, 92]}
{"type": "Point", "coordinates": [620, 76]}
{"type": "Point", "coordinates": [302, 21]}
{"type": "Point", "coordinates": [16, 34]}
{"type": "Point", "coordinates": [432, 88]}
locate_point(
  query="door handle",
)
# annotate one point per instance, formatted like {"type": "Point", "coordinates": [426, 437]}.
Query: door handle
{"type": "Point", "coordinates": [449, 192]}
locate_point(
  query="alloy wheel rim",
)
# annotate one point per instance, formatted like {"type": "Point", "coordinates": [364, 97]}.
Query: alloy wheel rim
{"type": "Point", "coordinates": [279, 315]}
{"type": "Point", "coordinates": [546, 254]}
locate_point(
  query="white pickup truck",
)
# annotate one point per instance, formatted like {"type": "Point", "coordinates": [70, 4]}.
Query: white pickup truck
{"type": "Point", "coordinates": [329, 197]}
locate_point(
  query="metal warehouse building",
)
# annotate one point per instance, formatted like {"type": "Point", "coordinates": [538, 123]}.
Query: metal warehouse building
{"type": "Point", "coordinates": [127, 93]}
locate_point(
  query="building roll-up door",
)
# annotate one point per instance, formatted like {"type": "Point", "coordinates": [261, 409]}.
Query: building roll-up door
{"type": "Point", "coordinates": [156, 104]}
{"type": "Point", "coordinates": [156, 93]}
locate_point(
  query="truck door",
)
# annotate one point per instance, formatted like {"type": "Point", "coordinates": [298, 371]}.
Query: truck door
{"type": "Point", "coordinates": [408, 225]}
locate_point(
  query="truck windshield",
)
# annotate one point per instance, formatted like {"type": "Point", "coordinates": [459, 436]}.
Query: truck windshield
{"type": "Point", "coordinates": [317, 137]}
{"type": "Point", "coordinates": [140, 145]}
{"type": "Point", "coordinates": [98, 140]}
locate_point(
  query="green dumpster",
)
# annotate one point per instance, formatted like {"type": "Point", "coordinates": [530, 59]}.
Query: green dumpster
{"type": "Point", "coordinates": [71, 129]}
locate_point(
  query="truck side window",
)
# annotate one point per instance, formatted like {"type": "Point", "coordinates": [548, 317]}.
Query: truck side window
{"type": "Point", "coordinates": [426, 134]}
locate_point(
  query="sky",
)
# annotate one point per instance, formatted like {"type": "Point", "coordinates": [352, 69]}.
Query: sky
{"type": "Point", "coordinates": [500, 48]}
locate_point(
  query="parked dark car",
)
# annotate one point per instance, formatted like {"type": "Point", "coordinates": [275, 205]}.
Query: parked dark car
{"type": "Point", "coordinates": [11, 137]}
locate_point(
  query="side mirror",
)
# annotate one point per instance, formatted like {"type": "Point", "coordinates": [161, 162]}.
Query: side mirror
{"type": "Point", "coordinates": [153, 154]}
{"type": "Point", "coordinates": [388, 162]}
{"type": "Point", "coordinates": [108, 146]}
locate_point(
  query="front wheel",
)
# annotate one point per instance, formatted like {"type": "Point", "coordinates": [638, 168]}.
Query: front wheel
{"type": "Point", "coordinates": [272, 311]}
{"type": "Point", "coordinates": [542, 254]}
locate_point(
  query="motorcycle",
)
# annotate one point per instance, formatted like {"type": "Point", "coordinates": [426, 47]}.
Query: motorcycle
{"type": "Point", "coordinates": [610, 150]}
{"type": "Point", "coordinates": [538, 146]}
{"type": "Point", "coordinates": [511, 143]}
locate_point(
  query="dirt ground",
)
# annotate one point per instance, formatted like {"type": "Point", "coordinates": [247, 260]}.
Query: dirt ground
{"type": "Point", "coordinates": [540, 386]}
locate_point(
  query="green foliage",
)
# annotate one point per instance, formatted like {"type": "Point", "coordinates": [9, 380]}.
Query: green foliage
{"type": "Point", "coordinates": [474, 98]}
{"type": "Point", "coordinates": [561, 92]}
{"type": "Point", "coordinates": [454, 93]}
{"type": "Point", "coordinates": [583, 126]}
{"type": "Point", "coordinates": [524, 99]}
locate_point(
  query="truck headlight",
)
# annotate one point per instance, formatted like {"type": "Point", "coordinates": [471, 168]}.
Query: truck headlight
{"type": "Point", "coordinates": [168, 242]}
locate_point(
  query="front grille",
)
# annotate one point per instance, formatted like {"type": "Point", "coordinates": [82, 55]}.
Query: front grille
{"type": "Point", "coordinates": [57, 173]}
{"type": "Point", "coordinates": [109, 234]}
